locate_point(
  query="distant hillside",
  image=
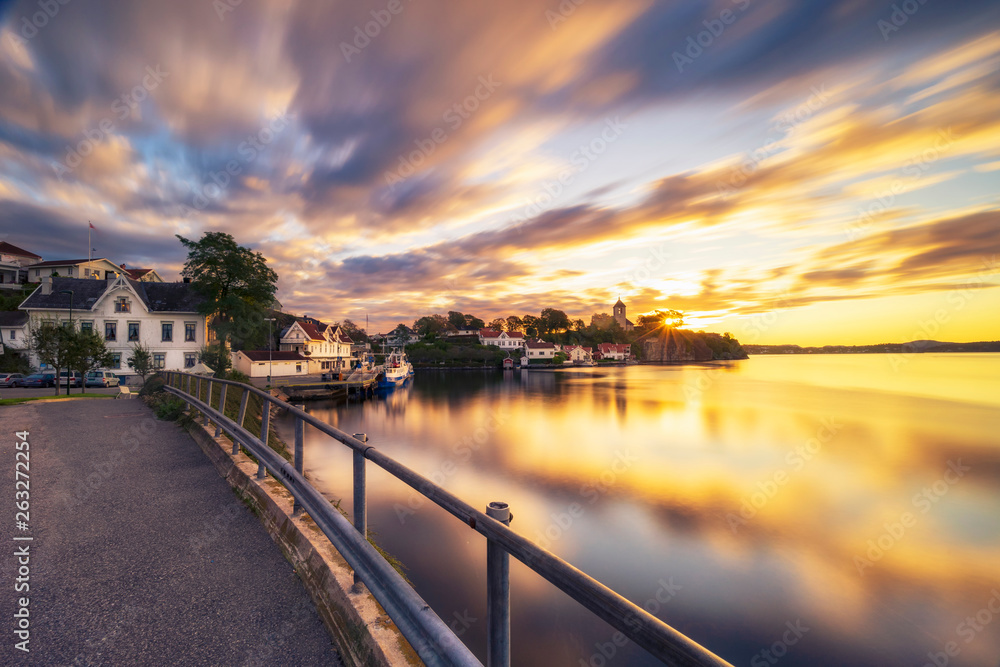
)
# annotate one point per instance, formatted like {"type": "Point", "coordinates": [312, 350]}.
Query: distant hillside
{"type": "Point", "coordinates": [911, 347]}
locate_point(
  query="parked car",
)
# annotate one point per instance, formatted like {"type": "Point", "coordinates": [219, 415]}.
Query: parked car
{"type": "Point", "coordinates": [102, 379]}
{"type": "Point", "coordinates": [73, 377]}
{"type": "Point", "coordinates": [11, 379]}
{"type": "Point", "coordinates": [39, 380]}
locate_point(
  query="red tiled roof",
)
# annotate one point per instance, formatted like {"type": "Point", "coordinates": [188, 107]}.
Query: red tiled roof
{"type": "Point", "coordinates": [136, 274]}
{"type": "Point", "coordinates": [275, 355]}
{"type": "Point", "coordinates": [489, 333]}
{"type": "Point", "coordinates": [515, 334]}
{"type": "Point", "coordinates": [311, 330]}
{"type": "Point", "coordinates": [615, 347]}
{"type": "Point", "coordinates": [539, 345]}
{"type": "Point", "coordinates": [11, 249]}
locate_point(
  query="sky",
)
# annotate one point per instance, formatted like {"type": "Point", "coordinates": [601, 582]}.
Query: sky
{"type": "Point", "coordinates": [812, 172]}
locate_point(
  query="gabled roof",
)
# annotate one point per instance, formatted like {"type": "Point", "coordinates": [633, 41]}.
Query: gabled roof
{"type": "Point", "coordinates": [11, 249]}
{"type": "Point", "coordinates": [275, 355]}
{"type": "Point", "coordinates": [156, 297]}
{"type": "Point", "coordinates": [69, 262]}
{"type": "Point", "coordinates": [489, 333]}
{"type": "Point", "coordinates": [514, 334]}
{"type": "Point", "coordinates": [618, 303]}
{"type": "Point", "coordinates": [614, 347]}
{"type": "Point", "coordinates": [311, 330]}
{"type": "Point", "coordinates": [539, 345]}
{"type": "Point", "coordinates": [136, 274]}
{"type": "Point", "coordinates": [13, 318]}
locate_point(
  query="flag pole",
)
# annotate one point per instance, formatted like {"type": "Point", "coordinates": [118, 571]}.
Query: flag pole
{"type": "Point", "coordinates": [90, 246]}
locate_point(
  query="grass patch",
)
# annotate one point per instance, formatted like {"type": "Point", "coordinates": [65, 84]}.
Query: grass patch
{"type": "Point", "coordinates": [71, 397]}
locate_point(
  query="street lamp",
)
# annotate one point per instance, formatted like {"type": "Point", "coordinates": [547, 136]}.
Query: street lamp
{"type": "Point", "coordinates": [69, 373]}
{"type": "Point", "coordinates": [269, 346]}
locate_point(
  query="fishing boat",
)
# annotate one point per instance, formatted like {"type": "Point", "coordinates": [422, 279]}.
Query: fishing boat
{"type": "Point", "coordinates": [396, 370]}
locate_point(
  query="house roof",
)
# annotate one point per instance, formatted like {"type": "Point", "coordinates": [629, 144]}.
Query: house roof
{"type": "Point", "coordinates": [311, 330]}
{"type": "Point", "coordinates": [13, 318]}
{"type": "Point", "coordinates": [515, 334]}
{"type": "Point", "coordinates": [489, 333]}
{"type": "Point", "coordinates": [11, 249]}
{"type": "Point", "coordinates": [614, 347]}
{"type": "Point", "coordinates": [570, 348]}
{"type": "Point", "coordinates": [156, 297]}
{"type": "Point", "coordinates": [539, 345]}
{"type": "Point", "coordinates": [68, 262]}
{"type": "Point", "coordinates": [136, 274]}
{"type": "Point", "coordinates": [275, 355]}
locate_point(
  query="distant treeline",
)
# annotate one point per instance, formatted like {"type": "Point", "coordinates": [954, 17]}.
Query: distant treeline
{"type": "Point", "coordinates": [881, 348]}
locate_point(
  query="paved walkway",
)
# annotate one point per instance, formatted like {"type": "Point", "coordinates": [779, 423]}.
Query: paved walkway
{"type": "Point", "coordinates": [141, 554]}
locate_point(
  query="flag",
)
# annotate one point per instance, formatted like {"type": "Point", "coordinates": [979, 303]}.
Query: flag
{"type": "Point", "coordinates": [91, 225]}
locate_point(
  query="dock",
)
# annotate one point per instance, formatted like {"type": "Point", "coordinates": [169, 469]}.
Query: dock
{"type": "Point", "coordinates": [327, 386]}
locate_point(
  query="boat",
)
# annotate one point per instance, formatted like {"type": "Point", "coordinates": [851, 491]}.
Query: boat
{"type": "Point", "coordinates": [396, 370]}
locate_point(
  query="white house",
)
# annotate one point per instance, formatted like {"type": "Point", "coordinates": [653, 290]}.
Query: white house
{"type": "Point", "coordinates": [617, 351]}
{"type": "Point", "coordinates": [325, 347]}
{"type": "Point", "coordinates": [98, 269]}
{"type": "Point", "coordinates": [540, 349]}
{"type": "Point", "coordinates": [14, 331]}
{"type": "Point", "coordinates": [162, 316]}
{"type": "Point", "coordinates": [578, 354]}
{"type": "Point", "coordinates": [501, 339]}
{"type": "Point", "coordinates": [12, 263]}
{"type": "Point", "coordinates": [261, 363]}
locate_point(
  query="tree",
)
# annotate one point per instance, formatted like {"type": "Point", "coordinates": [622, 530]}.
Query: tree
{"type": "Point", "coordinates": [400, 335]}
{"type": "Point", "coordinates": [216, 358]}
{"type": "Point", "coordinates": [473, 322]}
{"type": "Point", "coordinates": [555, 320]}
{"type": "Point", "coordinates": [236, 283]}
{"type": "Point", "coordinates": [669, 318]}
{"type": "Point", "coordinates": [456, 319]}
{"type": "Point", "coordinates": [141, 361]}
{"type": "Point", "coordinates": [430, 324]}
{"type": "Point", "coordinates": [498, 324]}
{"type": "Point", "coordinates": [559, 357]}
{"type": "Point", "coordinates": [530, 325]}
{"type": "Point", "coordinates": [54, 346]}
{"type": "Point", "coordinates": [355, 332]}
{"type": "Point", "coordinates": [88, 353]}
{"type": "Point", "coordinates": [514, 323]}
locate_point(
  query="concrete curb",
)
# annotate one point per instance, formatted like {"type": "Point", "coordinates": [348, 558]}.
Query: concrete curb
{"type": "Point", "coordinates": [358, 624]}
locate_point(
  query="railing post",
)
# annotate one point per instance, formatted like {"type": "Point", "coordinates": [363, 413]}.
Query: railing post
{"type": "Point", "coordinates": [222, 409]}
{"type": "Point", "coordinates": [299, 429]}
{"type": "Point", "coordinates": [498, 593]}
{"type": "Point", "coordinates": [265, 420]}
{"type": "Point", "coordinates": [208, 401]}
{"type": "Point", "coordinates": [360, 500]}
{"type": "Point", "coordinates": [239, 419]}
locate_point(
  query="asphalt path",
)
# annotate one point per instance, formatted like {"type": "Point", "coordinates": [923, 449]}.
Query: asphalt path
{"type": "Point", "coordinates": [140, 552]}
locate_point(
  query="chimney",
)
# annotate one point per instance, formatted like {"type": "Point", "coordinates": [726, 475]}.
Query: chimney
{"type": "Point", "coordinates": [122, 265]}
{"type": "Point", "coordinates": [46, 285]}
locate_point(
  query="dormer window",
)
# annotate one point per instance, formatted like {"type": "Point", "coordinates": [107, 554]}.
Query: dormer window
{"type": "Point", "coordinates": [123, 305]}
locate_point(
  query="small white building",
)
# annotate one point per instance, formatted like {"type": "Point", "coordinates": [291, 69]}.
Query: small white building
{"type": "Point", "coordinates": [161, 316]}
{"type": "Point", "coordinates": [541, 350]}
{"type": "Point", "coordinates": [12, 263]}
{"type": "Point", "coordinates": [276, 363]}
{"type": "Point", "coordinates": [501, 339]}
{"type": "Point", "coordinates": [616, 351]}
{"type": "Point", "coordinates": [14, 331]}
{"type": "Point", "coordinates": [325, 347]}
{"type": "Point", "coordinates": [95, 269]}
{"type": "Point", "coordinates": [578, 354]}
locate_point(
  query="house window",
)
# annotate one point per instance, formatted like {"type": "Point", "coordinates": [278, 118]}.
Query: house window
{"type": "Point", "coordinates": [13, 334]}
{"type": "Point", "coordinates": [167, 332]}
{"type": "Point", "coordinates": [110, 331]}
{"type": "Point", "coordinates": [122, 305]}
{"type": "Point", "coordinates": [38, 272]}
{"type": "Point", "coordinates": [189, 332]}
{"type": "Point", "coordinates": [190, 359]}
{"type": "Point", "coordinates": [159, 360]}
{"type": "Point", "coordinates": [87, 327]}
{"type": "Point", "coordinates": [86, 273]}
{"type": "Point", "coordinates": [298, 368]}
{"type": "Point", "coordinates": [116, 360]}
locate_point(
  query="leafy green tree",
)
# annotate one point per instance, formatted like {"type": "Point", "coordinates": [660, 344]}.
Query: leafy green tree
{"type": "Point", "coordinates": [555, 320]}
{"type": "Point", "coordinates": [400, 335]}
{"type": "Point", "coordinates": [237, 285]}
{"type": "Point", "coordinates": [498, 324]}
{"type": "Point", "coordinates": [54, 346]}
{"type": "Point", "coordinates": [559, 357]}
{"type": "Point", "coordinates": [430, 324]}
{"type": "Point", "coordinates": [141, 361]}
{"type": "Point", "coordinates": [88, 353]}
{"type": "Point", "coordinates": [530, 325]}
{"type": "Point", "coordinates": [356, 333]}
{"type": "Point", "coordinates": [456, 319]}
{"type": "Point", "coordinates": [217, 358]}
{"type": "Point", "coordinates": [473, 322]}
{"type": "Point", "coordinates": [514, 323]}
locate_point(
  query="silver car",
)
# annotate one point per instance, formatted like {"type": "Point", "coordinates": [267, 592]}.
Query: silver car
{"type": "Point", "coordinates": [11, 379]}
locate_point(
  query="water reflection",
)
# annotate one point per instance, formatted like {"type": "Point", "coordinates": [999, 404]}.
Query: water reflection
{"type": "Point", "coordinates": [820, 489]}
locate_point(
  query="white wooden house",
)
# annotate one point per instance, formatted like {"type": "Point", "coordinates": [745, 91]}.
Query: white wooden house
{"type": "Point", "coordinates": [326, 347]}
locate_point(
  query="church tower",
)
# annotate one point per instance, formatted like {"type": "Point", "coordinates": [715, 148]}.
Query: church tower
{"type": "Point", "coordinates": [619, 314]}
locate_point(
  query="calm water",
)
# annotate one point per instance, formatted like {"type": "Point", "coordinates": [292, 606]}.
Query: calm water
{"type": "Point", "coordinates": [855, 498]}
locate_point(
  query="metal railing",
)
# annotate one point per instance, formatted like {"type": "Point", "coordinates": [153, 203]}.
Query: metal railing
{"type": "Point", "coordinates": [430, 637]}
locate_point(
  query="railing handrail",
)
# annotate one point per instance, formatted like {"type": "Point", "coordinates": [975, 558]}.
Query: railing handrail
{"type": "Point", "coordinates": [640, 626]}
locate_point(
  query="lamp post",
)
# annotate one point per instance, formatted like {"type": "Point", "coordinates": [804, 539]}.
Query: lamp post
{"type": "Point", "coordinates": [269, 346]}
{"type": "Point", "coordinates": [69, 376]}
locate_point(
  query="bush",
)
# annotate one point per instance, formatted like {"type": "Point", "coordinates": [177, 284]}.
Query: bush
{"type": "Point", "coordinates": [153, 385]}
{"type": "Point", "coordinates": [237, 376]}
{"type": "Point", "coordinates": [168, 408]}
